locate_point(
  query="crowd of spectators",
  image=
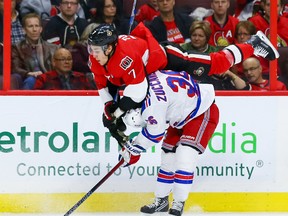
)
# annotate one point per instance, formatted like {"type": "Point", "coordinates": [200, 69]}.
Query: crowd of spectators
{"type": "Point", "coordinates": [40, 29]}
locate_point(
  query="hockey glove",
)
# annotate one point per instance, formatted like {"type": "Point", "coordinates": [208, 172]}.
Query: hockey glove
{"type": "Point", "coordinates": [131, 153]}
{"type": "Point", "coordinates": [117, 134]}
{"type": "Point", "coordinates": [108, 117]}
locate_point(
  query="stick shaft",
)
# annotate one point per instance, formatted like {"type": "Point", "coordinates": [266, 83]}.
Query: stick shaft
{"type": "Point", "coordinates": [133, 12]}
{"type": "Point", "coordinates": [94, 188]}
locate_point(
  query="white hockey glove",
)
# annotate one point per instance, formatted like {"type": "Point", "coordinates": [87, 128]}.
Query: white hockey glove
{"type": "Point", "coordinates": [130, 152]}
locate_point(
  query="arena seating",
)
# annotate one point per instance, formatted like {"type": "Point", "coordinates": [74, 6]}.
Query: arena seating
{"type": "Point", "coordinates": [186, 6]}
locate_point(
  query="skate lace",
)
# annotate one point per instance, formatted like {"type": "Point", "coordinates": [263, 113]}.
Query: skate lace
{"type": "Point", "coordinates": [261, 51]}
{"type": "Point", "coordinates": [177, 206]}
{"type": "Point", "coordinates": [155, 204]}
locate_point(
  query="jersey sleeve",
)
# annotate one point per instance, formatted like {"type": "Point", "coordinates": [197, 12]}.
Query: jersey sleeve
{"type": "Point", "coordinates": [154, 132]}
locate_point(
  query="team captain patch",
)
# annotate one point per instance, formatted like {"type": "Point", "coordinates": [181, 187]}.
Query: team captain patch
{"type": "Point", "coordinates": [126, 62]}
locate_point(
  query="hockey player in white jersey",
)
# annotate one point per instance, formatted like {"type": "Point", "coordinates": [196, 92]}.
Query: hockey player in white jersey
{"type": "Point", "coordinates": [190, 111]}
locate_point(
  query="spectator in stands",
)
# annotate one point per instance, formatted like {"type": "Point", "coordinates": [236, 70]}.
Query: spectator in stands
{"type": "Point", "coordinates": [170, 25]}
{"type": "Point", "coordinates": [244, 31]}
{"type": "Point", "coordinates": [32, 56]}
{"type": "Point", "coordinates": [222, 24]}
{"type": "Point", "coordinates": [147, 12]}
{"type": "Point", "coordinates": [43, 8]}
{"type": "Point", "coordinates": [62, 77]}
{"type": "Point", "coordinates": [109, 12]}
{"type": "Point", "coordinates": [67, 27]}
{"type": "Point", "coordinates": [17, 33]}
{"type": "Point", "coordinates": [253, 73]}
{"type": "Point", "coordinates": [262, 22]}
{"type": "Point", "coordinates": [200, 34]}
{"type": "Point", "coordinates": [16, 80]}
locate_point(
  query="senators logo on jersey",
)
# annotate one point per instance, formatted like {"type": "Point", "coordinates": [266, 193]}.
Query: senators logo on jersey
{"type": "Point", "coordinates": [126, 62]}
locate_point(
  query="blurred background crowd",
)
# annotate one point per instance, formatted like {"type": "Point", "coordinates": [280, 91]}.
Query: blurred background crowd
{"type": "Point", "coordinates": [49, 37]}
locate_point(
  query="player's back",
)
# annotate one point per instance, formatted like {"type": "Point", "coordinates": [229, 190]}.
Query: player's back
{"type": "Point", "coordinates": [177, 95]}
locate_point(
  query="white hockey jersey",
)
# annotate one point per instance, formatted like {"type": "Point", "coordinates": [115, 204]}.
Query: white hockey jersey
{"type": "Point", "coordinates": [173, 99]}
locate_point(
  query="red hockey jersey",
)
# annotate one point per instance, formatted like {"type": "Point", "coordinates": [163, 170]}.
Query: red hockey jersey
{"type": "Point", "coordinates": [222, 35]}
{"type": "Point", "coordinates": [263, 25]}
{"type": "Point", "coordinates": [132, 59]}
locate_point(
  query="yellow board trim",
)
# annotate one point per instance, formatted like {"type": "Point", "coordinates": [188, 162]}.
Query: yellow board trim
{"type": "Point", "coordinates": [131, 202]}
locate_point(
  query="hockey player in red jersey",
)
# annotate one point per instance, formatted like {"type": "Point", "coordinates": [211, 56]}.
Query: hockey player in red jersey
{"type": "Point", "coordinates": [125, 60]}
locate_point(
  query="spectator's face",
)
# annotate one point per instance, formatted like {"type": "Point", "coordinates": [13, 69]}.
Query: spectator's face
{"type": "Point", "coordinates": [198, 38]}
{"type": "Point", "coordinates": [69, 7]}
{"type": "Point", "coordinates": [166, 5]}
{"type": "Point", "coordinates": [32, 29]}
{"type": "Point", "coordinates": [220, 7]}
{"type": "Point", "coordinates": [109, 8]}
{"type": "Point", "coordinates": [242, 35]}
{"type": "Point", "coordinates": [98, 54]}
{"type": "Point", "coordinates": [62, 61]}
{"type": "Point", "coordinates": [252, 70]}
{"type": "Point", "coordinates": [266, 8]}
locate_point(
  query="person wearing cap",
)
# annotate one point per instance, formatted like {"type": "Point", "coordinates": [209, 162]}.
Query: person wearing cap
{"type": "Point", "coordinates": [125, 60]}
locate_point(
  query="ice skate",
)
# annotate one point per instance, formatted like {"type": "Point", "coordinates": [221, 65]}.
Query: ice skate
{"type": "Point", "coordinates": [177, 208]}
{"type": "Point", "coordinates": [159, 205]}
{"type": "Point", "coordinates": [263, 47]}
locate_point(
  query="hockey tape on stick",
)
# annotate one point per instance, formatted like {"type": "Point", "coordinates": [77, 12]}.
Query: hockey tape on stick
{"type": "Point", "coordinates": [94, 188]}
{"type": "Point", "coordinates": [133, 12]}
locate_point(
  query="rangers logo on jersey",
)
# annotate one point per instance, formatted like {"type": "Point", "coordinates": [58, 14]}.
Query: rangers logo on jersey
{"type": "Point", "coordinates": [126, 62]}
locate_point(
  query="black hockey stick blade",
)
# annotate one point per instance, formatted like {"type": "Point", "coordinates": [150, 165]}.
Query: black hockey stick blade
{"type": "Point", "coordinates": [94, 188]}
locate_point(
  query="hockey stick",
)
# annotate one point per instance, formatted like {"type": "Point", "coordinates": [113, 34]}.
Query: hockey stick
{"type": "Point", "coordinates": [94, 188]}
{"type": "Point", "coordinates": [133, 12]}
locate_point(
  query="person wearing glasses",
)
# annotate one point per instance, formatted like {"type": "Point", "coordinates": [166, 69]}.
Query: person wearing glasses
{"type": "Point", "coordinates": [243, 32]}
{"type": "Point", "coordinates": [252, 70]}
{"type": "Point", "coordinates": [32, 56]}
{"type": "Point", "coordinates": [67, 27]}
{"type": "Point", "coordinates": [62, 77]}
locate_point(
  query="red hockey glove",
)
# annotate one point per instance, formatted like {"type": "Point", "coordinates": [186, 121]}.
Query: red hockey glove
{"type": "Point", "coordinates": [108, 118]}
{"type": "Point", "coordinates": [131, 153]}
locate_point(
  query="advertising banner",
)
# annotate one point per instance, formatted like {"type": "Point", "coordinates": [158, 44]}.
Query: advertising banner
{"type": "Point", "coordinates": [57, 144]}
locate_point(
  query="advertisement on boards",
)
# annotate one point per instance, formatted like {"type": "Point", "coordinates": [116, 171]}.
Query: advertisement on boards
{"type": "Point", "coordinates": [57, 144]}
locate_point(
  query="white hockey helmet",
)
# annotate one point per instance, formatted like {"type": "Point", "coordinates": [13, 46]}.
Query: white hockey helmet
{"type": "Point", "coordinates": [133, 118]}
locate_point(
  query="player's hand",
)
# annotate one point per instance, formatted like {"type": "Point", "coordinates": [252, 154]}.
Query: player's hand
{"type": "Point", "coordinates": [131, 153]}
{"type": "Point", "coordinates": [108, 117]}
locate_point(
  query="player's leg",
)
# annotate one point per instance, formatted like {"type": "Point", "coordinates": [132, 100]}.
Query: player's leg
{"type": "Point", "coordinates": [195, 137]}
{"type": "Point", "coordinates": [201, 65]}
{"type": "Point", "coordinates": [165, 179]}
